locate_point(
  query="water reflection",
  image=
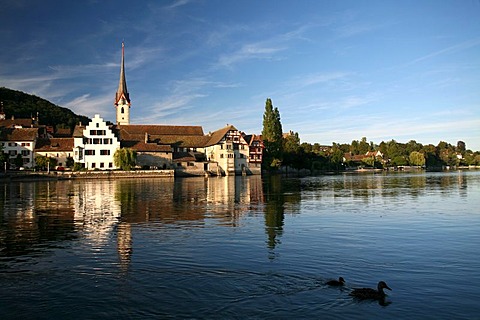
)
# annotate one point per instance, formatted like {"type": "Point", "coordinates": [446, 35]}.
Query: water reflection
{"type": "Point", "coordinates": [39, 214]}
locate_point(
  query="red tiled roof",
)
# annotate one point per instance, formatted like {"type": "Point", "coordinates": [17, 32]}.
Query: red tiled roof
{"type": "Point", "coordinates": [54, 144]}
{"type": "Point", "coordinates": [18, 134]}
{"type": "Point", "coordinates": [141, 146]}
{"type": "Point", "coordinates": [160, 130]}
{"type": "Point", "coordinates": [182, 136]}
{"type": "Point", "coordinates": [78, 131]}
{"type": "Point", "coordinates": [63, 133]}
{"type": "Point", "coordinates": [25, 123]}
{"type": "Point", "coordinates": [217, 136]}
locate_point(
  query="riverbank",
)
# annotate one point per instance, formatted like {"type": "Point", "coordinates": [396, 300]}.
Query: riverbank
{"type": "Point", "coordinates": [67, 175]}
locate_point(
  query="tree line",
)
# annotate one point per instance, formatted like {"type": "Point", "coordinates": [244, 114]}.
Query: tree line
{"type": "Point", "coordinates": [286, 150]}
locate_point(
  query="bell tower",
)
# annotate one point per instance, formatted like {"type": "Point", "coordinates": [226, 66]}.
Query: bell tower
{"type": "Point", "coordinates": [122, 98]}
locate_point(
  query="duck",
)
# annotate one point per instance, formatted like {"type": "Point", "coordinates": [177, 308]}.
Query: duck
{"type": "Point", "coordinates": [369, 293]}
{"type": "Point", "coordinates": [336, 283]}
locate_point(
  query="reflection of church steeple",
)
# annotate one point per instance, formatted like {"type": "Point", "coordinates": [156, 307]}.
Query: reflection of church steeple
{"type": "Point", "coordinates": [122, 98]}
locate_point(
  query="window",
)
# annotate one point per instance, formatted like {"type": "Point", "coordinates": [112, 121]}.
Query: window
{"type": "Point", "coordinates": [102, 165]}
{"type": "Point", "coordinates": [107, 141]}
{"type": "Point", "coordinates": [93, 165]}
{"type": "Point", "coordinates": [98, 125]}
{"type": "Point", "coordinates": [221, 155]}
{"type": "Point", "coordinates": [98, 132]}
{"type": "Point", "coordinates": [25, 144]}
{"type": "Point", "coordinates": [25, 153]}
{"type": "Point", "coordinates": [89, 152]}
{"type": "Point", "coordinates": [12, 153]}
{"type": "Point", "coordinates": [104, 152]}
{"type": "Point", "coordinates": [110, 165]}
{"type": "Point", "coordinates": [97, 141]}
{"type": "Point", "coordinates": [121, 110]}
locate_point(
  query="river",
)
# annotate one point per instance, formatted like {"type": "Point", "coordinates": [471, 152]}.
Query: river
{"type": "Point", "coordinates": [241, 247]}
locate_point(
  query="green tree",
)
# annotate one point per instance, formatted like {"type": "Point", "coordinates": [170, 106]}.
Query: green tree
{"type": "Point", "coordinates": [461, 147]}
{"type": "Point", "coordinates": [399, 161]}
{"type": "Point", "coordinates": [3, 157]}
{"type": "Point", "coordinates": [416, 158]}
{"type": "Point", "coordinates": [43, 162]}
{"type": "Point", "coordinates": [125, 158]}
{"type": "Point", "coordinates": [70, 162]}
{"type": "Point", "coordinates": [363, 146]}
{"type": "Point", "coordinates": [18, 161]}
{"type": "Point", "coordinates": [272, 135]}
{"type": "Point", "coordinates": [292, 152]}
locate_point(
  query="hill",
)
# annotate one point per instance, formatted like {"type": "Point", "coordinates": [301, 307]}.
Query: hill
{"type": "Point", "coordinates": [24, 105]}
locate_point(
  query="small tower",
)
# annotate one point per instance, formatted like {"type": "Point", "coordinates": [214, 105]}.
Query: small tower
{"type": "Point", "coordinates": [122, 98]}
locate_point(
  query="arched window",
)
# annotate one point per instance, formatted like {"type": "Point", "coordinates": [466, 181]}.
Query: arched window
{"type": "Point", "coordinates": [122, 111]}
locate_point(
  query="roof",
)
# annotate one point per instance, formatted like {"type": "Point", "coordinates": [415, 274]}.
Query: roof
{"type": "Point", "coordinates": [160, 130]}
{"type": "Point", "coordinates": [184, 136]}
{"type": "Point", "coordinates": [217, 136]}
{"type": "Point", "coordinates": [25, 123]}
{"type": "Point", "coordinates": [188, 156]}
{"type": "Point", "coordinates": [63, 133]}
{"type": "Point", "coordinates": [78, 131]}
{"type": "Point", "coordinates": [55, 144]}
{"type": "Point", "coordinates": [141, 146]}
{"type": "Point", "coordinates": [251, 138]}
{"type": "Point", "coordinates": [18, 134]}
{"type": "Point", "coordinates": [122, 91]}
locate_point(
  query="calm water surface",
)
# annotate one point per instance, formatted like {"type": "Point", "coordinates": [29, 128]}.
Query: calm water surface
{"type": "Point", "coordinates": [241, 247]}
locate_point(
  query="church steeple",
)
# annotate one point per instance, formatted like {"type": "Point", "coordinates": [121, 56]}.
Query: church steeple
{"type": "Point", "coordinates": [122, 98]}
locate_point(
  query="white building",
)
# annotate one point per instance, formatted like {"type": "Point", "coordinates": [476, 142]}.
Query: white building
{"type": "Point", "coordinates": [60, 149]}
{"type": "Point", "coordinates": [19, 142]}
{"type": "Point", "coordinates": [95, 146]}
{"type": "Point", "coordinates": [229, 149]}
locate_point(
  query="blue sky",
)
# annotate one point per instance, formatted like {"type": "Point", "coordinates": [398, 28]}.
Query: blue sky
{"type": "Point", "coordinates": [337, 70]}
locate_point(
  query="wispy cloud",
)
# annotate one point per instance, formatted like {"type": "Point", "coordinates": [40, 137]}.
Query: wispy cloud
{"type": "Point", "coordinates": [89, 106]}
{"type": "Point", "coordinates": [178, 3]}
{"type": "Point", "coordinates": [259, 51]}
{"type": "Point", "coordinates": [451, 49]}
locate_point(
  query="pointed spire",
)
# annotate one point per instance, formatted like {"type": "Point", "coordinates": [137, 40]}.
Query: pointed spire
{"type": "Point", "coordinates": [122, 92]}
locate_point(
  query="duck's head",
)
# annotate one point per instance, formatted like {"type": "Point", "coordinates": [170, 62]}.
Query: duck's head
{"type": "Point", "coordinates": [383, 285]}
{"type": "Point", "coordinates": [341, 280]}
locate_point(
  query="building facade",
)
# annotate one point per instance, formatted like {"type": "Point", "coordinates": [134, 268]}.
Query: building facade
{"type": "Point", "coordinates": [95, 145]}
{"type": "Point", "coordinates": [19, 143]}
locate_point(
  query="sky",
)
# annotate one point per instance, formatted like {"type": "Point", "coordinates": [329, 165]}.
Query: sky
{"type": "Point", "coordinates": [337, 70]}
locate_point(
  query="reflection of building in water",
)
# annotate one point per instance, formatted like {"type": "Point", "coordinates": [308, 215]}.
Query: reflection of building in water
{"type": "Point", "coordinates": [34, 213]}
{"type": "Point", "coordinates": [229, 197]}
{"type": "Point", "coordinates": [124, 245]}
{"type": "Point", "coordinates": [96, 210]}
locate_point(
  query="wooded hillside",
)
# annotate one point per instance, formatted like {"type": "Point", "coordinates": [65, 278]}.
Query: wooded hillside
{"type": "Point", "coordinates": [24, 105]}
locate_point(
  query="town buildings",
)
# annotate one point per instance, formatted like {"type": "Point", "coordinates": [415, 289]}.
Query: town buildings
{"type": "Point", "coordinates": [185, 149]}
